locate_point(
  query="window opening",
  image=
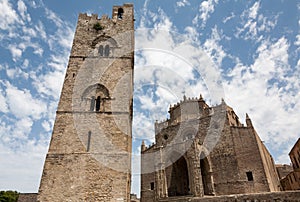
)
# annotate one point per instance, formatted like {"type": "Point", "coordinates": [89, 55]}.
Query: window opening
{"type": "Point", "coordinates": [92, 103]}
{"type": "Point", "coordinates": [89, 141]}
{"type": "Point", "coordinates": [100, 50]}
{"type": "Point", "coordinates": [249, 176]}
{"type": "Point", "coordinates": [106, 50]}
{"type": "Point", "coordinates": [98, 103]}
{"type": "Point", "coordinates": [166, 137]}
{"type": "Point", "coordinates": [120, 13]}
{"type": "Point", "coordinates": [152, 185]}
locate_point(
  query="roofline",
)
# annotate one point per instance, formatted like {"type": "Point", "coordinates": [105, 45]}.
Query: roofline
{"type": "Point", "coordinates": [298, 142]}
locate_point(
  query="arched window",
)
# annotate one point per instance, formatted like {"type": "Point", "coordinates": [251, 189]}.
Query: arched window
{"type": "Point", "coordinates": [100, 50]}
{"type": "Point", "coordinates": [106, 50]}
{"type": "Point", "coordinates": [92, 103]}
{"type": "Point", "coordinates": [98, 103]}
{"type": "Point", "coordinates": [120, 13]}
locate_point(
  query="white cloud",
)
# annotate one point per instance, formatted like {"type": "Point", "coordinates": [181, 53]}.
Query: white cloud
{"type": "Point", "coordinates": [46, 126]}
{"type": "Point", "coordinates": [270, 94]}
{"type": "Point", "coordinates": [232, 15]}
{"type": "Point", "coordinates": [206, 8]}
{"type": "Point", "coordinates": [14, 73]}
{"type": "Point", "coordinates": [168, 65]}
{"type": "Point", "coordinates": [213, 48]}
{"type": "Point", "coordinates": [23, 11]}
{"type": "Point", "coordinates": [254, 25]}
{"type": "Point", "coordinates": [54, 18]}
{"type": "Point", "coordinates": [40, 28]}
{"type": "Point", "coordinates": [22, 104]}
{"type": "Point", "coordinates": [3, 104]}
{"type": "Point", "coordinates": [49, 84]}
{"type": "Point", "coordinates": [29, 31]}
{"type": "Point", "coordinates": [63, 36]}
{"type": "Point", "coordinates": [297, 41]}
{"type": "Point", "coordinates": [22, 169]}
{"type": "Point", "coordinates": [254, 10]}
{"type": "Point", "coordinates": [7, 14]}
{"type": "Point", "coordinates": [182, 3]}
{"type": "Point", "coordinates": [25, 64]}
{"type": "Point", "coordinates": [15, 51]}
{"type": "Point", "coordinates": [22, 128]}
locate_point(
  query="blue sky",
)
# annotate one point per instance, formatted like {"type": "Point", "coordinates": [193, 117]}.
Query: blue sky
{"type": "Point", "coordinates": [250, 48]}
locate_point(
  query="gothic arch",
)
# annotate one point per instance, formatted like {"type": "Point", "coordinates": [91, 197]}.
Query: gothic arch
{"type": "Point", "coordinates": [178, 180]}
{"type": "Point", "coordinates": [206, 174]}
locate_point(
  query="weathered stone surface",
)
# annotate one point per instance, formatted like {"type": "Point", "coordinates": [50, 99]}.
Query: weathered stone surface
{"type": "Point", "coordinates": [27, 197]}
{"type": "Point", "coordinates": [205, 151]}
{"type": "Point", "coordinates": [89, 157]}
{"type": "Point", "coordinates": [291, 196]}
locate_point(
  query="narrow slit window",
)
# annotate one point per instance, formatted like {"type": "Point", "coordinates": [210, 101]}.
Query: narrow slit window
{"type": "Point", "coordinates": [98, 101]}
{"type": "Point", "coordinates": [89, 141]}
{"type": "Point", "coordinates": [152, 185]}
{"type": "Point", "coordinates": [249, 176]}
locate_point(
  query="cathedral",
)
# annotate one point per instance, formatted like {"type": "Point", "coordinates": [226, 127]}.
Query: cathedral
{"type": "Point", "coordinates": [205, 151]}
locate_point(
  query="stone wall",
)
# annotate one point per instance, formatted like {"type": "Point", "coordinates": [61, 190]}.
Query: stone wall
{"type": "Point", "coordinates": [293, 196]}
{"type": "Point", "coordinates": [214, 153]}
{"type": "Point", "coordinates": [27, 197]}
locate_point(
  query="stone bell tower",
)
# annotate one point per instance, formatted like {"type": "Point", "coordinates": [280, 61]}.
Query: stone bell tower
{"type": "Point", "coordinates": [89, 157]}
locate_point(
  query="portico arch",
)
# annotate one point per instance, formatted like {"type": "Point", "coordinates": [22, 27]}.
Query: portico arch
{"type": "Point", "coordinates": [178, 178]}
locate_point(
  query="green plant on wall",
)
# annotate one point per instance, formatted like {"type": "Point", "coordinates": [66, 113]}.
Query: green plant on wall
{"type": "Point", "coordinates": [97, 26]}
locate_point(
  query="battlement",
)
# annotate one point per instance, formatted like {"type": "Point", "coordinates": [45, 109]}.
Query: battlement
{"type": "Point", "coordinates": [185, 109]}
{"type": "Point", "coordinates": [85, 16]}
{"type": "Point", "coordinates": [118, 12]}
{"type": "Point", "coordinates": [196, 108]}
{"type": "Point", "coordinates": [186, 100]}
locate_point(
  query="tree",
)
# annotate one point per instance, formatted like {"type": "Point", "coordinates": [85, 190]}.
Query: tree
{"type": "Point", "coordinates": [9, 196]}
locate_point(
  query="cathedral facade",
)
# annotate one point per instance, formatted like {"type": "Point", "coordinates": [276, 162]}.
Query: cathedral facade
{"type": "Point", "coordinates": [205, 151]}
